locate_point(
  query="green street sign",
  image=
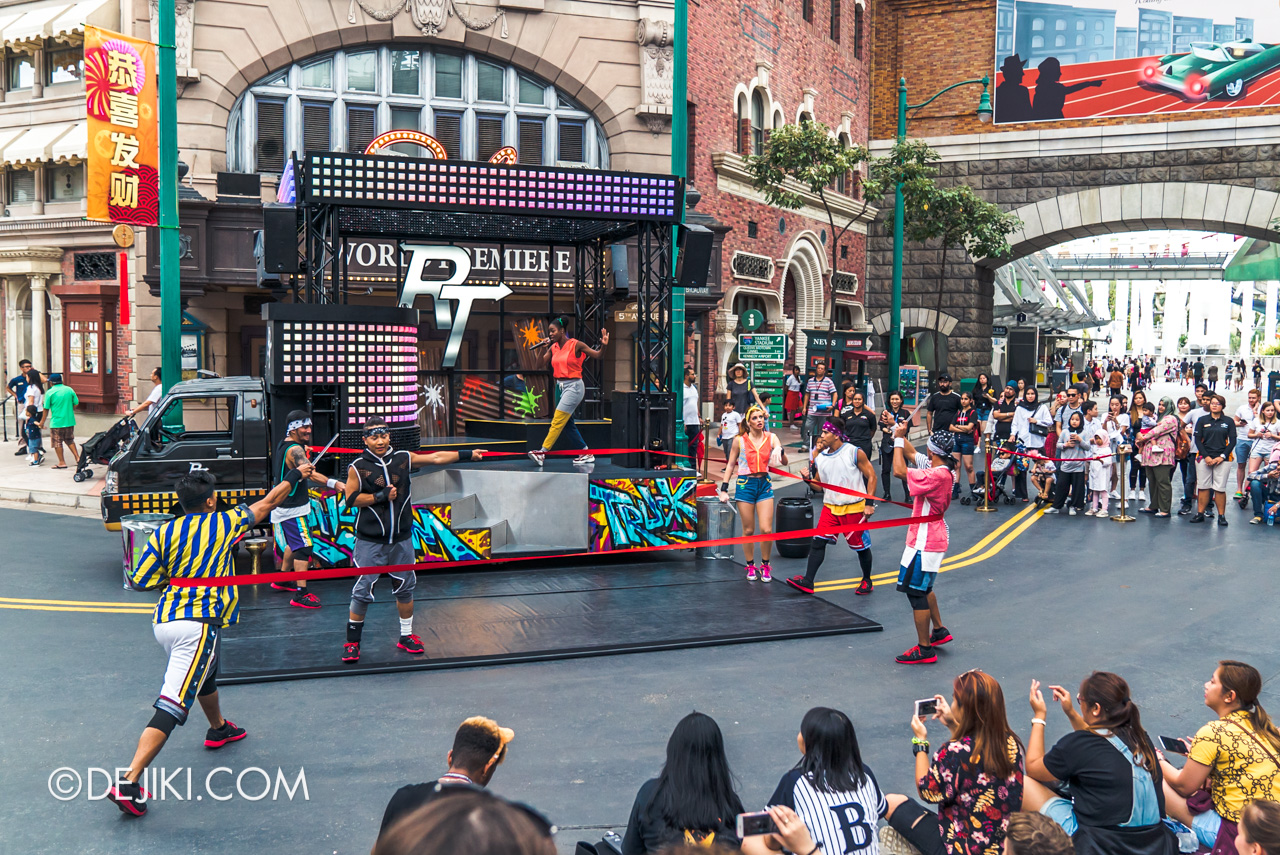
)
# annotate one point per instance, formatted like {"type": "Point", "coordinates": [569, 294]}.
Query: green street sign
{"type": "Point", "coordinates": [751, 320]}
{"type": "Point", "coordinates": [770, 347]}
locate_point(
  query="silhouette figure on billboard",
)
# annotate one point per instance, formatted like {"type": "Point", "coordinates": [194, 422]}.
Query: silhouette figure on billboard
{"type": "Point", "coordinates": [1013, 101]}
{"type": "Point", "coordinates": [1051, 94]}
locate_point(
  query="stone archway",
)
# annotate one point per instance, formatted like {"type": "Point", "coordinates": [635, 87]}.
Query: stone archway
{"type": "Point", "coordinates": [805, 266]}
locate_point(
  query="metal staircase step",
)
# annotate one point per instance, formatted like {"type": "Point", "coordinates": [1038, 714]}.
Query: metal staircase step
{"type": "Point", "coordinates": [462, 506]}
{"type": "Point", "coordinates": [499, 530]}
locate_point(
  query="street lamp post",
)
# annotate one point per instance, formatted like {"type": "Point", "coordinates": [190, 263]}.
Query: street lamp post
{"type": "Point", "coordinates": [895, 312]}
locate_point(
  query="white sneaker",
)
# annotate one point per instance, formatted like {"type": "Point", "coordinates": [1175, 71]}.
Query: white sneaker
{"type": "Point", "coordinates": [1142, 495]}
{"type": "Point", "coordinates": [1071, 512]}
{"type": "Point", "coordinates": [539, 457]}
{"type": "Point", "coordinates": [1089, 512]}
{"type": "Point", "coordinates": [584, 459]}
{"type": "Point", "coordinates": [1115, 494]}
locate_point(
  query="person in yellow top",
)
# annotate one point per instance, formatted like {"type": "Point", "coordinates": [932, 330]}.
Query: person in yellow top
{"type": "Point", "coordinates": [1238, 755]}
{"type": "Point", "coordinates": [189, 620]}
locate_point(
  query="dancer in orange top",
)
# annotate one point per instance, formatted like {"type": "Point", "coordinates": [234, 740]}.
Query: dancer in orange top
{"type": "Point", "coordinates": [754, 452]}
{"type": "Point", "coordinates": [566, 356]}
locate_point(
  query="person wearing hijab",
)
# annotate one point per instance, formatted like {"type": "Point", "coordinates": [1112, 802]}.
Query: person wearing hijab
{"type": "Point", "coordinates": [1157, 450]}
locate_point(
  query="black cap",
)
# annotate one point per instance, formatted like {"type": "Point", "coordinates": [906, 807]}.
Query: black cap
{"type": "Point", "coordinates": [944, 376]}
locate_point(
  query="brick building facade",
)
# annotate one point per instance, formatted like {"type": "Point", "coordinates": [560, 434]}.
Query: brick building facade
{"type": "Point", "coordinates": [753, 67]}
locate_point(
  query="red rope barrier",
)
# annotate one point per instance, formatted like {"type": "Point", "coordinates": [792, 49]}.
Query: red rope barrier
{"type": "Point", "coordinates": [350, 572]}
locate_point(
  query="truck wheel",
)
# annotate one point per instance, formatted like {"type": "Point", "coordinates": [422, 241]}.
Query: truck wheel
{"type": "Point", "coordinates": [1235, 89]}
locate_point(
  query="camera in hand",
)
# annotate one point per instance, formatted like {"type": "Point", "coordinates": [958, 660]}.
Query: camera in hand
{"type": "Point", "coordinates": [756, 822]}
{"type": "Point", "coordinates": [926, 706]}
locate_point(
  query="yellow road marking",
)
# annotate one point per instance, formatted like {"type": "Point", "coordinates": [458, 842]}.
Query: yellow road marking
{"type": "Point", "coordinates": [891, 578]}
{"type": "Point", "coordinates": [950, 560]}
{"type": "Point", "coordinates": [20, 601]}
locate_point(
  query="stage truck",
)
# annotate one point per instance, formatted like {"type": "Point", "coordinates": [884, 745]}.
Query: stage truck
{"type": "Point", "coordinates": [342, 364]}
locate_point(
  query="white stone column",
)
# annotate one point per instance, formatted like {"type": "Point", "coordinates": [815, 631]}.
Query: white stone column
{"type": "Point", "coordinates": [1120, 326]}
{"type": "Point", "coordinates": [1269, 322]}
{"type": "Point", "coordinates": [1098, 304]}
{"type": "Point", "coordinates": [56, 335]}
{"type": "Point", "coordinates": [39, 339]}
{"type": "Point", "coordinates": [1175, 316]}
{"type": "Point", "coordinates": [1246, 318]}
{"type": "Point", "coordinates": [11, 325]}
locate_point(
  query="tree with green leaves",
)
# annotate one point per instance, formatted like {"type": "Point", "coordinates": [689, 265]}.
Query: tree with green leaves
{"type": "Point", "coordinates": [808, 157]}
{"type": "Point", "coordinates": [955, 217]}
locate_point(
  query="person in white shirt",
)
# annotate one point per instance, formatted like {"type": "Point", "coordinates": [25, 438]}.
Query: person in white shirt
{"type": "Point", "coordinates": [1263, 431]}
{"type": "Point", "coordinates": [691, 417]}
{"type": "Point", "coordinates": [1244, 417]}
{"type": "Point", "coordinates": [154, 398]}
{"type": "Point", "coordinates": [1116, 424]}
{"type": "Point", "coordinates": [730, 424]}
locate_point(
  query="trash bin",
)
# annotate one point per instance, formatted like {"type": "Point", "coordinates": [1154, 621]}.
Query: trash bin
{"type": "Point", "coordinates": [716, 520]}
{"type": "Point", "coordinates": [793, 515]}
{"type": "Point", "coordinates": [1273, 386]}
{"type": "Point", "coordinates": [137, 529]}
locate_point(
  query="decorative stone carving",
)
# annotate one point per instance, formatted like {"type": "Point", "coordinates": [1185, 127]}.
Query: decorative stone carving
{"type": "Point", "coordinates": [748, 265]}
{"type": "Point", "coordinates": [183, 35]}
{"type": "Point", "coordinates": [726, 339]}
{"type": "Point", "coordinates": [429, 16]}
{"type": "Point", "coordinates": [656, 73]}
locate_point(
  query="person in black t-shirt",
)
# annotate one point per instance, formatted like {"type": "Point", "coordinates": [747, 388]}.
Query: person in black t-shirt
{"type": "Point", "coordinates": [1215, 441]}
{"type": "Point", "coordinates": [943, 405]}
{"type": "Point", "coordinates": [1004, 410]}
{"type": "Point", "coordinates": [479, 747]}
{"type": "Point", "coordinates": [859, 422]}
{"type": "Point", "coordinates": [1110, 766]}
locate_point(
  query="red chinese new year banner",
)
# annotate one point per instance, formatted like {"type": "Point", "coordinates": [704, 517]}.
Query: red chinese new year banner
{"type": "Point", "coordinates": [120, 97]}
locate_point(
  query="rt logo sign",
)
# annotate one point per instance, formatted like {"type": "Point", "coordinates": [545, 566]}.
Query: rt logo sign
{"type": "Point", "coordinates": [445, 291]}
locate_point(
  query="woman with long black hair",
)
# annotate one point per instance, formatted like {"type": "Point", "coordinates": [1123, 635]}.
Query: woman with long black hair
{"type": "Point", "coordinates": [890, 417]}
{"type": "Point", "coordinates": [1109, 766]}
{"type": "Point", "coordinates": [692, 800]}
{"type": "Point", "coordinates": [831, 789]}
{"type": "Point", "coordinates": [566, 355]}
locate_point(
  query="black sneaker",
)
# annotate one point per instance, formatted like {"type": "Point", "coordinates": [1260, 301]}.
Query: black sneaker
{"type": "Point", "coordinates": [939, 636]}
{"type": "Point", "coordinates": [285, 586]}
{"type": "Point", "coordinates": [130, 798]}
{"type": "Point", "coordinates": [1184, 510]}
{"type": "Point", "coordinates": [20, 451]}
{"type": "Point", "coordinates": [917, 656]}
{"type": "Point", "coordinates": [1198, 518]}
{"type": "Point", "coordinates": [1222, 522]}
{"type": "Point", "coordinates": [305, 600]}
{"type": "Point", "coordinates": [220, 736]}
{"type": "Point", "coordinates": [411, 644]}
{"type": "Point", "coordinates": [351, 651]}
{"type": "Point", "coordinates": [799, 583]}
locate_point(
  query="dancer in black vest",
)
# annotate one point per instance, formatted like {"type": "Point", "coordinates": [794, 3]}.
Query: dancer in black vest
{"type": "Point", "coordinates": [378, 487]}
{"type": "Point", "coordinates": [289, 519]}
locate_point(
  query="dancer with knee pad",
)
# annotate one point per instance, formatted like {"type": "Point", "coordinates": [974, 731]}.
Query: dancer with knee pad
{"type": "Point", "coordinates": [378, 487]}
{"type": "Point", "coordinates": [289, 521]}
{"type": "Point", "coordinates": [929, 481]}
{"type": "Point", "coordinates": [841, 464]}
{"type": "Point", "coordinates": [754, 452]}
{"type": "Point", "coordinates": [566, 356]}
{"type": "Point", "coordinates": [189, 621]}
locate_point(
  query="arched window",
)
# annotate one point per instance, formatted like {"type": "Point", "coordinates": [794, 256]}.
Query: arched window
{"type": "Point", "coordinates": [1060, 24]}
{"type": "Point", "coordinates": [1079, 25]}
{"type": "Point", "coordinates": [757, 122]}
{"type": "Point", "coordinates": [1059, 41]}
{"type": "Point", "coordinates": [744, 125]}
{"type": "Point", "coordinates": [1037, 41]}
{"type": "Point", "coordinates": [1037, 24]}
{"type": "Point", "coordinates": [1097, 25]}
{"type": "Point", "coordinates": [474, 106]}
{"type": "Point", "coordinates": [842, 180]}
{"type": "Point", "coordinates": [1079, 40]}
{"type": "Point", "coordinates": [835, 21]}
{"type": "Point", "coordinates": [1097, 40]}
{"type": "Point", "coordinates": [857, 31]}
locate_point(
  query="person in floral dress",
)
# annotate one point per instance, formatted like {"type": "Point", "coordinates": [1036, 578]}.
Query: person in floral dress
{"type": "Point", "coordinates": [975, 778]}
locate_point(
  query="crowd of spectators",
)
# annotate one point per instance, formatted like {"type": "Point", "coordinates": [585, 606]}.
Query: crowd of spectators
{"type": "Point", "coordinates": [1105, 788]}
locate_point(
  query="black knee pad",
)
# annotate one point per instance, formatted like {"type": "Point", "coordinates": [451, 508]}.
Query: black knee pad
{"type": "Point", "coordinates": [163, 721]}
{"type": "Point", "coordinates": [210, 683]}
{"type": "Point", "coordinates": [919, 602]}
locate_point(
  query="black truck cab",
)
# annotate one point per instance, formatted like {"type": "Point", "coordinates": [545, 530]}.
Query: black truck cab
{"type": "Point", "coordinates": [217, 424]}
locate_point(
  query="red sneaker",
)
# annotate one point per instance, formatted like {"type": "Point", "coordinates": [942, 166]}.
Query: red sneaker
{"type": "Point", "coordinates": [306, 601]}
{"type": "Point", "coordinates": [941, 635]}
{"type": "Point", "coordinates": [864, 588]}
{"type": "Point", "coordinates": [411, 644]}
{"type": "Point", "coordinates": [800, 584]}
{"type": "Point", "coordinates": [351, 651]}
{"type": "Point", "coordinates": [130, 798]}
{"type": "Point", "coordinates": [917, 656]}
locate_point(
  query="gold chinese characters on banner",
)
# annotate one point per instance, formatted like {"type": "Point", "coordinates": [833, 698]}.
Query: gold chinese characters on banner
{"type": "Point", "coordinates": [120, 99]}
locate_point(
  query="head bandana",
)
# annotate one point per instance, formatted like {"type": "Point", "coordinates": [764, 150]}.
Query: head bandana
{"type": "Point", "coordinates": [298, 423]}
{"type": "Point", "coordinates": [377, 430]}
{"type": "Point", "coordinates": [941, 443]}
{"type": "Point", "coordinates": [828, 427]}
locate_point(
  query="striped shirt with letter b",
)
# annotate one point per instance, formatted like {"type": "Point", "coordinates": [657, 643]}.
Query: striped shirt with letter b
{"type": "Point", "coordinates": [843, 822]}
{"type": "Point", "coordinates": [194, 546]}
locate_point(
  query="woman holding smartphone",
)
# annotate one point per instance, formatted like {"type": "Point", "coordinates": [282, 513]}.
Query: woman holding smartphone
{"type": "Point", "coordinates": [975, 778]}
{"type": "Point", "coordinates": [965, 426]}
{"type": "Point", "coordinates": [891, 416]}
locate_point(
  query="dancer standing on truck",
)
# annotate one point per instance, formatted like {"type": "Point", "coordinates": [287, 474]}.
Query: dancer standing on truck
{"type": "Point", "coordinates": [378, 488]}
{"type": "Point", "coordinates": [289, 520]}
{"type": "Point", "coordinates": [566, 356]}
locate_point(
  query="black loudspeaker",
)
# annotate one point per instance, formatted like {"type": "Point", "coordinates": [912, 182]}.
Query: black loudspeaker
{"type": "Point", "coordinates": [643, 420]}
{"type": "Point", "coordinates": [618, 264]}
{"type": "Point", "coordinates": [694, 261]}
{"type": "Point", "coordinates": [239, 184]}
{"type": "Point", "coordinates": [280, 239]}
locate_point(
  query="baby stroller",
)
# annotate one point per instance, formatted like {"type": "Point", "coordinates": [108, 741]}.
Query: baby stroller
{"type": "Point", "coordinates": [101, 447]}
{"type": "Point", "coordinates": [1004, 464]}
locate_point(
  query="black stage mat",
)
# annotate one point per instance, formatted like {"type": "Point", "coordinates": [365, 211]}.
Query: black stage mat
{"type": "Point", "coordinates": [503, 617]}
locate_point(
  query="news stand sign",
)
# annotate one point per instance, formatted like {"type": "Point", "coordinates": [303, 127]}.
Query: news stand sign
{"type": "Point", "coordinates": [123, 184]}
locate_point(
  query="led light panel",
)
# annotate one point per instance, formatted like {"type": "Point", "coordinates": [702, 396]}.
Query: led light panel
{"type": "Point", "coordinates": [399, 182]}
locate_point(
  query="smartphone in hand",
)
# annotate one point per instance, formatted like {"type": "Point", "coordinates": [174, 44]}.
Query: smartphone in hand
{"type": "Point", "coordinates": [754, 823]}
{"type": "Point", "coordinates": [1177, 746]}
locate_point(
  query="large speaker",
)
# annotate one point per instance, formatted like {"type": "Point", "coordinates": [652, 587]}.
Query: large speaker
{"type": "Point", "coordinates": [280, 239]}
{"type": "Point", "coordinates": [643, 420]}
{"type": "Point", "coordinates": [694, 261]}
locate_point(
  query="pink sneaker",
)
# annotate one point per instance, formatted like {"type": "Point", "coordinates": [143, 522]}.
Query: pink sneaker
{"type": "Point", "coordinates": [766, 575]}
{"type": "Point", "coordinates": [751, 572]}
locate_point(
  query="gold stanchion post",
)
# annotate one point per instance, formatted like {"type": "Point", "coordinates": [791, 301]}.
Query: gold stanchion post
{"type": "Point", "coordinates": [1123, 516]}
{"type": "Point", "coordinates": [986, 507]}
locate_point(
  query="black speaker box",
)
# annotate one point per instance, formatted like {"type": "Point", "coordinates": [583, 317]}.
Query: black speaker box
{"type": "Point", "coordinates": [280, 239]}
{"type": "Point", "coordinates": [694, 261]}
{"type": "Point", "coordinates": [643, 420]}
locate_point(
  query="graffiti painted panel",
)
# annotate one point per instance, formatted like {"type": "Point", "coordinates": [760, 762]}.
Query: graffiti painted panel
{"type": "Point", "coordinates": [630, 512]}
{"type": "Point", "coordinates": [333, 523]}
